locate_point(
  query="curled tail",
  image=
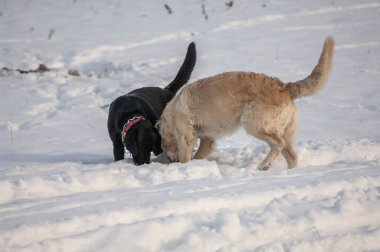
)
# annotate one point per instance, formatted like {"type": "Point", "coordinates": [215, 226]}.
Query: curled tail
{"type": "Point", "coordinates": [185, 71]}
{"type": "Point", "coordinates": [318, 77]}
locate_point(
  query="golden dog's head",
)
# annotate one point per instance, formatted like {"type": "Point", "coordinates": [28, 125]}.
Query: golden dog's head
{"type": "Point", "coordinates": [168, 138]}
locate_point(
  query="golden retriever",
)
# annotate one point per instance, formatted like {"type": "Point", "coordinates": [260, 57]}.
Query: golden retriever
{"type": "Point", "coordinates": [216, 106]}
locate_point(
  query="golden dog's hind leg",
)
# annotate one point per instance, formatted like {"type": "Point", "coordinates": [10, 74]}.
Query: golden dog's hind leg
{"type": "Point", "coordinates": [206, 146]}
{"type": "Point", "coordinates": [276, 144]}
{"type": "Point", "coordinates": [263, 123]}
{"type": "Point", "coordinates": [290, 155]}
{"type": "Point", "coordinates": [288, 151]}
{"type": "Point", "coordinates": [275, 141]}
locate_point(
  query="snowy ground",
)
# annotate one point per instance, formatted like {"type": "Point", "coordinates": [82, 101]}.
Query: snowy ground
{"type": "Point", "coordinates": [60, 190]}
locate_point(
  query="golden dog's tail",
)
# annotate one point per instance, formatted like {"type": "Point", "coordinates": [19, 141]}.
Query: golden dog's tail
{"type": "Point", "coordinates": [318, 77]}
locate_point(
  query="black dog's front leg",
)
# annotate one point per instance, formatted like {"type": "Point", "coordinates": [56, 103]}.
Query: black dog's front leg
{"type": "Point", "coordinates": [118, 151]}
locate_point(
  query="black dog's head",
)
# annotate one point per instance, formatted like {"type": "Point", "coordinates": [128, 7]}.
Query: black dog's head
{"type": "Point", "coordinates": [141, 139]}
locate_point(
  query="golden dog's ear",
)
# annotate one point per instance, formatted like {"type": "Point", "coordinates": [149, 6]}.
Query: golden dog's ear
{"type": "Point", "coordinates": [157, 125]}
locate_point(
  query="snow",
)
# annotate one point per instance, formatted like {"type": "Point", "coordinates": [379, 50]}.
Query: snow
{"type": "Point", "coordinates": [61, 191]}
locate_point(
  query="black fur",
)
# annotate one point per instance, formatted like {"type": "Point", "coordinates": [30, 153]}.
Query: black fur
{"type": "Point", "coordinates": [149, 102]}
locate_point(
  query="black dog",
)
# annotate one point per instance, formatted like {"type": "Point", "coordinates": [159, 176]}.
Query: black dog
{"type": "Point", "coordinates": [132, 117]}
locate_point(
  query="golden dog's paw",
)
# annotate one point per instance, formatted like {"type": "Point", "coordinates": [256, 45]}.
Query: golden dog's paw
{"type": "Point", "coordinates": [264, 167]}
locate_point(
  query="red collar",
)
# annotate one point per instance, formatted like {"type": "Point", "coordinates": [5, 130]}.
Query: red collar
{"type": "Point", "coordinates": [129, 124]}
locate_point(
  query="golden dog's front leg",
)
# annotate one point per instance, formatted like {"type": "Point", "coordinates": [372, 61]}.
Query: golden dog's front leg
{"type": "Point", "coordinates": [186, 144]}
{"type": "Point", "coordinates": [205, 148]}
{"type": "Point", "coordinates": [185, 137]}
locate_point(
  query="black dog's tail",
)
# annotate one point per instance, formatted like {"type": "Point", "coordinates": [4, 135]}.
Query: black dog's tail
{"type": "Point", "coordinates": [185, 71]}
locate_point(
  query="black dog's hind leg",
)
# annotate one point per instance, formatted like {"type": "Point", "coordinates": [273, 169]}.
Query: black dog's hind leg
{"type": "Point", "coordinates": [118, 150]}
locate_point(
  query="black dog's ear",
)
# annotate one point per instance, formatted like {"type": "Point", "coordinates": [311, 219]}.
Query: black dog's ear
{"type": "Point", "coordinates": [157, 143]}
{"type": "Point", "coordinates": [131, 144]}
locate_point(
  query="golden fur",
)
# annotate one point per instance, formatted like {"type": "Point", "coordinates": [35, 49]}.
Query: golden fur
{"type": "Point", "coordinates": [216, 106]}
